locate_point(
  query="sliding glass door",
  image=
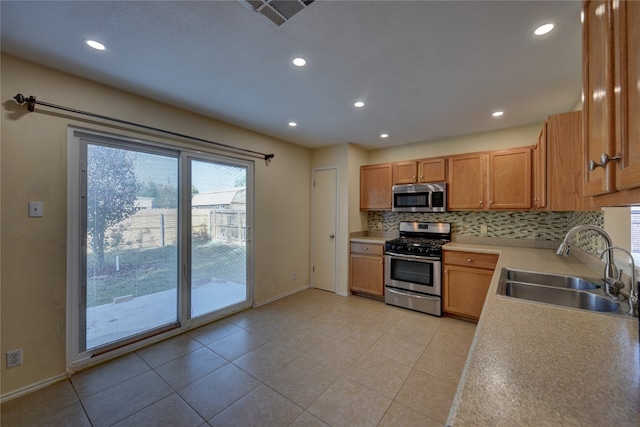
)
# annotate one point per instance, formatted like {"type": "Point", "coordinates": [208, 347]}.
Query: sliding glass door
{"type": "Point", "coordinates": [131, 251]}
{"type": "Point", "coordinates": [218, 249]}
{"type": "Point", "coordinates": [159, 239]}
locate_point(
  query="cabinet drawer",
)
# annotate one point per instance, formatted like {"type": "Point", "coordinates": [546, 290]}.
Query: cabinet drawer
{"type": "Point", "coordinates": [367, 248]}
{"type": "Point", "coordinates": [471, 259]}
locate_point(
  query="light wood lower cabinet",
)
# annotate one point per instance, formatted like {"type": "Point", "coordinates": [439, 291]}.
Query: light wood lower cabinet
{"type": "Point", "coordinates": [367, 268]}
{"type": "Point", "coordinates": [467, 276]}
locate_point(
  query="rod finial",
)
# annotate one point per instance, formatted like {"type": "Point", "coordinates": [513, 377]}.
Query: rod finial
{"type": "Point", "coordinates": [21, 99]}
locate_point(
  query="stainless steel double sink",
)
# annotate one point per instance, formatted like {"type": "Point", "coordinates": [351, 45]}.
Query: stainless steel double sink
{"type": "Point", "coordinates": [566, 291]}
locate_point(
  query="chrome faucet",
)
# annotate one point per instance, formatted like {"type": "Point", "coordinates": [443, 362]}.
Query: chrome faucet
{"type": "Point", "coordinates": [633, 293]}
{"type": "Point", "coordinates": [611, 275]}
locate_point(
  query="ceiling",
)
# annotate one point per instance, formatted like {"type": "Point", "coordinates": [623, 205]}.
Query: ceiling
{"type": "Point", "coordinates": [426, 70]}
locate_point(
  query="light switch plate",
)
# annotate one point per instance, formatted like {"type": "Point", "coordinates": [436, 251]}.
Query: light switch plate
{"type": "Point", "coordinates": [35, 210]}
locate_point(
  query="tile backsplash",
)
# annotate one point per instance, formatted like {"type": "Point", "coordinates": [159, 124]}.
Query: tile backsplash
{"type": "Point", "coordinates": [545, 226]}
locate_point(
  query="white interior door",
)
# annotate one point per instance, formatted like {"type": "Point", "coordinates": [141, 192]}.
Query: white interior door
{"type": "Point", "coordinates": [324, 229]}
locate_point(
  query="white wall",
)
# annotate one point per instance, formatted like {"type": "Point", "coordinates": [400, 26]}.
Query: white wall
{"type": "Point", "coordinates": [34, 167]}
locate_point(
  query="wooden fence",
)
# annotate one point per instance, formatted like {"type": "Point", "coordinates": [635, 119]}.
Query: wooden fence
{"type": "Point", "coordinates": [152, 228]}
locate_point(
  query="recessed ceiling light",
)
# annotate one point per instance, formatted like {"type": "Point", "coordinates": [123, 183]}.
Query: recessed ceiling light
{"type": "Point", "coordinates": [543, 29]}
{"type": "Point", "coordinates": [359, 104]}
{"type": "Point", "coordinates": [293, 124]}
{"type": "Point", "coordinates": [300, 62]}
{"type": "Point", "coordinates": [94, 44]}
{"type": "Point", "coordinates": [384, 135]}
{"type": "Point", "coordinates": [498, 113]}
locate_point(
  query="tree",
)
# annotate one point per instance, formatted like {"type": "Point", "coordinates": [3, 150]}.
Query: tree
{"type": "Point", "coordinates": [166, 196]}
{"type": "Point", "coordinates": [112, 187]}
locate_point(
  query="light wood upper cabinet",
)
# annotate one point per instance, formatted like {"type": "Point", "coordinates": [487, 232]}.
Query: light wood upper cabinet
{"type": "Point", "coordinates": [627, 23]}
{"type": "Point", "coordinates": [420, 171]}
{"type": "Point", "coordinates": [597, 80]}
{"type": "Point", "coordinates": [611, 72]}
{"type": "Point", "coordinates": [509, 179]}
{"type": "Point", "coordinates": [432, 170]}
{"type": "Point", "coordinates": [540, 170]}
{"type": "Point", "coordinates": [375, 187]}
{"type": "Point", "coordinates": [466, 181]}
{"type": "Point", "coordinates": [405, 172]}
{"type": "Point", "coordinates": [558, 164]}
{"type": "Point", "coordinates": [565, 166]}
{"type": "Point", "coordinates": [495, 180]}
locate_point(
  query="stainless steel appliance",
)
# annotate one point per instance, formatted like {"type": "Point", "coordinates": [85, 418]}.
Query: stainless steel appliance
{"type": "Point", "coordinates": [430, 197]}
{"type": "Point", "coordinates": [413, 266]}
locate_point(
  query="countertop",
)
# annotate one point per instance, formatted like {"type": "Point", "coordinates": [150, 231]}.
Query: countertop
{"type": "Point", "coordinates": [370, 239]}
{"type": "Point", "coordinates": [537, 364]}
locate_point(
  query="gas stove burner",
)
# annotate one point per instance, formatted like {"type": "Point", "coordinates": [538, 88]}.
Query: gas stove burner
{"type": "Point", "coordinates": [420, 238]}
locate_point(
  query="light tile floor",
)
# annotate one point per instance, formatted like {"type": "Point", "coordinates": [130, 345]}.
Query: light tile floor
{"type": "Point", "coordinates": [311, 359]}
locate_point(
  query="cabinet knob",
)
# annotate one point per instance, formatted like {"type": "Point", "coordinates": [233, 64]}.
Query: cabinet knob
{"type": "Point", "coordinates": [604, 159]}
{"type": "Point", "coordinates": [480, 203]}
{"type": "Point", "coordinates": [490, 202]}
{"type": "Point", "coordinates": [366, 249]}
{"type": "Point", "coordinates": [469, 259]}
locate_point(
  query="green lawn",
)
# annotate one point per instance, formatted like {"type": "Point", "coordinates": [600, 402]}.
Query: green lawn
{"type": "Point", "coordinates": [147, 271]}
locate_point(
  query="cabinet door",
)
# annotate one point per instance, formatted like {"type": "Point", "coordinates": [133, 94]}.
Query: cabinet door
{"type": "Point", "coordinates": [628, 102]}
{"type": "Point", "coordinates": [432, 170]}
{"type": "Point", "coordinates": [466, 181]}
{"type": "Point", "coordinates": [540, 170]}
{"type": "Point", "coordinates": [598, 84]}
{"type": "Point", "coordinates": [465, 290]}
{"type": "Point", "coordinates": [565, 164]}
{"type": "Point", "coordinates": [405, 172]}
{"type": "Point", "coordinates": [510, 179]}
{"type": "Point", "coordinates": [367, 274]}
{"type": "Point", "coordinates": [375, 187]}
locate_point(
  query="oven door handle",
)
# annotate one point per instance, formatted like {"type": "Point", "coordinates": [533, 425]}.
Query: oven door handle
{"type": "Point", "coordinates": [413, 295]}
{"type": "Point", "coordinates": [412, 257]}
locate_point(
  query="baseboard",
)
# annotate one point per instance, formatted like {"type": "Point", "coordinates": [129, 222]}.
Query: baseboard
{"type": "Point", "coordinates": [295, 291]}
{"type": "Point", "coordinates": [31, 388]}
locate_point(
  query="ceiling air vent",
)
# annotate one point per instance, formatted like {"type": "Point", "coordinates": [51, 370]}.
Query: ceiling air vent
{"type": "Point", "coordinates": [277, 11]}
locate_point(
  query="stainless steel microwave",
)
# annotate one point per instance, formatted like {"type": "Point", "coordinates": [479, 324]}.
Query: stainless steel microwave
{"type": "Point", "coordinates": [430, 197]}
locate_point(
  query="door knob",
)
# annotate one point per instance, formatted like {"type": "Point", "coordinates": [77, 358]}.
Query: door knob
{"type": "Point", "coordinates": [331, 236]}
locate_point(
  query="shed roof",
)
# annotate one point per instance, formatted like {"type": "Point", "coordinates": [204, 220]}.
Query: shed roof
{"type": "Point", "coordinates": [219, 197]}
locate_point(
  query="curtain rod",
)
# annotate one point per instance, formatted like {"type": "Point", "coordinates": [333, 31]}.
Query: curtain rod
{"type": "Point", "coordinates": [32, 101]}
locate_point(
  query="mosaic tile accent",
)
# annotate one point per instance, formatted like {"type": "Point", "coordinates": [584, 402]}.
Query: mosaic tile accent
{"type": "Point", "coordinates": [548, 226]}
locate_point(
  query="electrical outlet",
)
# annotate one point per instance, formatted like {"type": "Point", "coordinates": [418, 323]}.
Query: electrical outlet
{"type": "Point", "coordinates": [483, 229]}
{"type": "Point", "coordinates": [14, 358]}
{"type": "Point", "coordinates": [294, 275]}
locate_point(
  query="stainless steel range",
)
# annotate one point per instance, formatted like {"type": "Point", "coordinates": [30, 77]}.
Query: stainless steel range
{"type": "Point", "coordinates": [413, 266]}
